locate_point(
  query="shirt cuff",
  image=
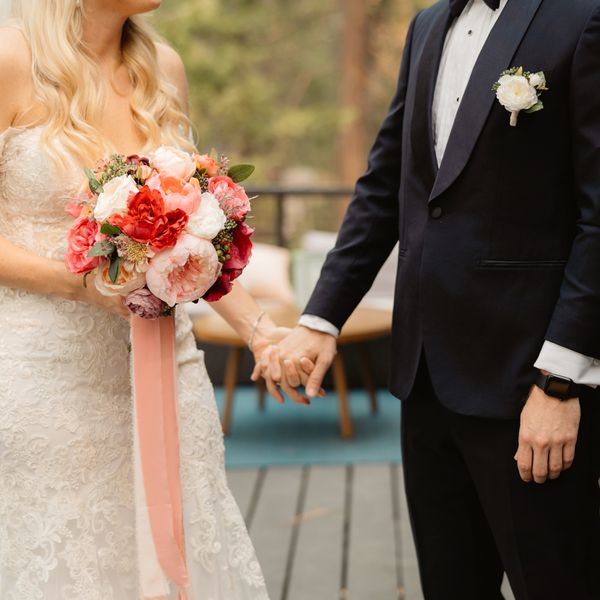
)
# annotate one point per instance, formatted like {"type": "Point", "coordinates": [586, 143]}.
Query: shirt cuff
{"type": "Point", "coordinates": [319, 324]}
{"type": "Point", "coordinates": [563, 362]}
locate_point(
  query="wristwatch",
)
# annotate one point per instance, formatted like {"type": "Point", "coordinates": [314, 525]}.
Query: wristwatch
{"type": "Point", "coordinates": [558, 387]}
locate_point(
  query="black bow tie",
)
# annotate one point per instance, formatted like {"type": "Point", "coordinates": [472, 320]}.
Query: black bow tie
{"type": "Point", "coordinates": [457, 6]}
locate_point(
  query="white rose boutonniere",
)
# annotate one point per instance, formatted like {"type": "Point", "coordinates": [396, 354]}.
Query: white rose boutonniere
{"type": "Point", "coordinates": [519, 90]}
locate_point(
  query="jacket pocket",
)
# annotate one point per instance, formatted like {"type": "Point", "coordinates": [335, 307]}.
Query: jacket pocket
{"type": "Point", "coordinates": [485, 263]}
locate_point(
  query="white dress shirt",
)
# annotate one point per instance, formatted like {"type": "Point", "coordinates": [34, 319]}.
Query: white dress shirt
{"type": "Point", "coordinates": [464, 42]}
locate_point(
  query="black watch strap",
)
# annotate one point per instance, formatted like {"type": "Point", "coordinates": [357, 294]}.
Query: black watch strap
{"type": "Point", "coordinates": [558, 387]}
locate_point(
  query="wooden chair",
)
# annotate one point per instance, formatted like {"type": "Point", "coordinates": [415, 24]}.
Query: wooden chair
{"type": "Point", "coordinates": [364, 325]}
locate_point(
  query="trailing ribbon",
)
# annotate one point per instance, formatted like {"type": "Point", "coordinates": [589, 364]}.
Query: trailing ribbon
{"type": "Point", "coordinates": [159, 498]}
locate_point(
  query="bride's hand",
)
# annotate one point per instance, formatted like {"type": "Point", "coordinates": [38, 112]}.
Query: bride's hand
{"type": "Point", "coordinates": [112, 304]}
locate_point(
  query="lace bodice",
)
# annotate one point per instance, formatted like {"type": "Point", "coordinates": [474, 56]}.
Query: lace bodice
{"type": "Point", "coordinates": [67, 522]}
{"type": "Point", "coordinates": [29, 178]}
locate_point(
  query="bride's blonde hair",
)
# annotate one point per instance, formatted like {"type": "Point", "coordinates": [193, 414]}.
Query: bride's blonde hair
{"type": "Point", "coordinates": [67, 82]}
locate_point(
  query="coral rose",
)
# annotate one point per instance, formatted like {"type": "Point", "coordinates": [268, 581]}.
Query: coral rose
{"type": "Point", "coordinates": [232, 197]}
{"type": "Point", "coordinates": [173, 162]}
{"type": "Point", "coordinates": [207, 164]}
{"type": "Point", "coordinates": [185, 272]}
{"type": "Point", "coordinates": [81, 238]}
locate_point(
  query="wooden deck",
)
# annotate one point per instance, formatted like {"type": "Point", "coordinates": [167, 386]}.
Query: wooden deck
{"type": "Point", "coordinates": [331, 533]}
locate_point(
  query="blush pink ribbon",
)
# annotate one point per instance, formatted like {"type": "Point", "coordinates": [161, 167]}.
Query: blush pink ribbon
{"type": "Point", "coordinates": [154, 378]}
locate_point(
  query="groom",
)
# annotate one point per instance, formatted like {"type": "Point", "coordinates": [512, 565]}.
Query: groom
{"type": "Point", "coordinates": [495, 203]}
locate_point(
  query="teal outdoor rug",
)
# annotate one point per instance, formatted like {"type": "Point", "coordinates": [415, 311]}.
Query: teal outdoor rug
{"type": "Point", "coordinates": [299, 435]}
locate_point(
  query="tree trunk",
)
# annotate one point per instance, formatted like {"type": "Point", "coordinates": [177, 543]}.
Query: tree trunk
{"type": "Point", "coordinates": [353, 90]}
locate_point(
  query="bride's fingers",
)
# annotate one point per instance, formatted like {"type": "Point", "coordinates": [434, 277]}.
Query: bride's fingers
{"type": "Point", "coordinates": [291, 374]}
{"type": "Point", "coordinates": [274, 364]}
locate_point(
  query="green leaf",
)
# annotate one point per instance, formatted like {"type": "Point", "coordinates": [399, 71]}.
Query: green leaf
{"type": "Point", "coordinates": [240, 173]}
{"type": "Point", "coordinates": [535, 108]}
{"type": "Point", "coordinates": [108, 229]}
{"type": "Point", "coordinates": [102, 249]}
{"type": "Point", "coordinates": [95, 185]}
{"type": "Point", "coordinates": [113, 271]}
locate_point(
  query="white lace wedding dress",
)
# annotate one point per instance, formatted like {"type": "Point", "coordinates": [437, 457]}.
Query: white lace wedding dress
{"type": "Point", "coordinates": [66, 492]}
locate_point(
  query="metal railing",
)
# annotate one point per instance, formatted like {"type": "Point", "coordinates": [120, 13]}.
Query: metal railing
{"type": "Point", "coordinates": [282, 193]}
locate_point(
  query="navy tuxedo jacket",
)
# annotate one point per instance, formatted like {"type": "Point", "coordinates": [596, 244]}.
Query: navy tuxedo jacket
{"type": "Point", "coordinates": [500, 246]}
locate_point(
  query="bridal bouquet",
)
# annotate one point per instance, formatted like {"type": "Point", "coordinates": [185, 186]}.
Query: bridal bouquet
{"type": "Point", "coordinates": [162, 229]}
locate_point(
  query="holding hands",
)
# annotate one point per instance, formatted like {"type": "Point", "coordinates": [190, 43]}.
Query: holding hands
{"type": "Point", "coordinates": [302, 358]}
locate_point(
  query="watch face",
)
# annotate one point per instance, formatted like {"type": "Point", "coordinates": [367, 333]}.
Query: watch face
{"type": "Point", "coordinates": [559, 388]}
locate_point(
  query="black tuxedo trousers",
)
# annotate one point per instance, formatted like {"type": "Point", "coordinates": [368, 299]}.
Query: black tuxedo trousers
{"type": "Point", "coordinates": [499, 252]}
{"type": "Point", "coordinates": [474, 518]}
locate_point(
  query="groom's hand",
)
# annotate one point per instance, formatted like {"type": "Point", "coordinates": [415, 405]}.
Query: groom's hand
{"type": "Point", "coordinates": [548, 435]}
{"type": "Point", "coordinates": [302, 358]}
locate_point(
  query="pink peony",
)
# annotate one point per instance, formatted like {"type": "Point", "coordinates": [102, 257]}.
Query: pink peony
{"type": "Point", "coordinates": [232, 197]}
{"type": "Point", "coordinates": [145, 304]}
{"type": "Point", "coordinates": [177, 193]}
{"type": "Point", "coordinates": [81, 238]}
{"type": "Point", "coordinates": [172, 162]}
{"type": "Point", "coordinates": [185, 272]}
{"type": "Point", "coordinates": [240, 252]}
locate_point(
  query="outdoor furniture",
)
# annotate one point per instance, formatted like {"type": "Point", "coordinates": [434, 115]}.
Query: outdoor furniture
{"type": "Point", "coordinates": [364, 325]}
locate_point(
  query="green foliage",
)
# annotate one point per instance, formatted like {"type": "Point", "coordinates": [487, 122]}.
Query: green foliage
{"type": "Point", "coordinates": [264, 75]}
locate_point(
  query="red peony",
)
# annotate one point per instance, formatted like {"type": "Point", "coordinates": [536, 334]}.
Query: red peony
{"type": "Point", "coordinates": [147, 222]}
{"type": "Point", "coordinates": [169, 230]}
{"type": "Point", "coordinates": [240, 252]}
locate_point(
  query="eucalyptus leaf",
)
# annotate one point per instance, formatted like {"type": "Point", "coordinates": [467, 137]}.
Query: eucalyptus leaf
{"type": "Point", "coordinates": [104, 248]}
{"type": "Point", "coordinates": [108, 229]}
{"type": "Point", "coordinates": [95, 185]}
{"type": "Point", "coordinates": [240, 173]}
{"type": "Point", "coordinates": [113, 271]}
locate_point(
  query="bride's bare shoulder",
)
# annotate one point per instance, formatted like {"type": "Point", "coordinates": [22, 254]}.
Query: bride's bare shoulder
{"type": "Point", "coordinates": [15, 74]}
{"type": "Point", "coordinates": [173, 68]}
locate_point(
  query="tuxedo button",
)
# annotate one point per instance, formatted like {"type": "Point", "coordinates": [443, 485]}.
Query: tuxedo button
{"type": "Point", "coordinates": [436, 212]}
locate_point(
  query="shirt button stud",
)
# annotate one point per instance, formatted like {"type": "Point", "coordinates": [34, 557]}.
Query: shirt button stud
{"type": "Point", "coordinates": [436, 212]}
{"type": "Point", "coordinates": [470, 32]}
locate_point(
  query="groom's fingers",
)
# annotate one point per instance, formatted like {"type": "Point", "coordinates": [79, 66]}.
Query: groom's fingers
{"type": "Point", "coordinates": [308, 366]}
{"type": "Point", "coordinates": [274, 364]}
{"type": "Point", "coordinates": [316, 377]}
{"type": "Point", "coordinates": [540, 463]}
{"type": "Point", "coordinates": [524, 459]}
{"type": "Point", "coordinates": [555, 462]}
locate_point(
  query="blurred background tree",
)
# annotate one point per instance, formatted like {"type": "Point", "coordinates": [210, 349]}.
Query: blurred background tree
{"type": "Point", "coordinates": [289, 84]}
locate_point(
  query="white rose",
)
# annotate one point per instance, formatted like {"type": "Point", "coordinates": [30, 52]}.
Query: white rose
{"type": "Point", "coordinates": [209, 220]}
{"type": "Point", "coordinates": [537, 80]}
{"type": "Point", "coordinates": [114, 197]}
{"type": "Point", "coordinates": [173, 162]}
{"type": "Point", "coordinates": [516, 93]}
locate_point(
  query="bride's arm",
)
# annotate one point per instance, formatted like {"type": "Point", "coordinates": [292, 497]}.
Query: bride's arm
{"type": "Point", "coordinates": [251, 323]}
{"type": "Point", "coordinates": [20, 268]}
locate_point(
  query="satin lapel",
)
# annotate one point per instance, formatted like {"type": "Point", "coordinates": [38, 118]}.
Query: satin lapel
{"type": "Point", "coordinates": [479, 98]}
{"type": "Point", "coordinates": [427, 71]}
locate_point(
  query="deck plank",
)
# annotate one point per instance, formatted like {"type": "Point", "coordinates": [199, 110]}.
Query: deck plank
{"type": "Point", "coordinates": [372, 554]}
{"type": "Point", "coordinates": [273, 524]}
{"type": "Point", "coordinates": [318, 561]}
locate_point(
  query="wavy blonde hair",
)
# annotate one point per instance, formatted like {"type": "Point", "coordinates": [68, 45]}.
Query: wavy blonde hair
{"type": "Point", "coordinates": [67, 82]}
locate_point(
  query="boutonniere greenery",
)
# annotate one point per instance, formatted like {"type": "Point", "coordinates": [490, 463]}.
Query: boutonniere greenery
{"type": "Point", "coordinates": [519, 91]}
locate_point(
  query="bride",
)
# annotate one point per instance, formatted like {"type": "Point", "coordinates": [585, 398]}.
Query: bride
{"type": "Point", "coordinates": [82, 79]}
